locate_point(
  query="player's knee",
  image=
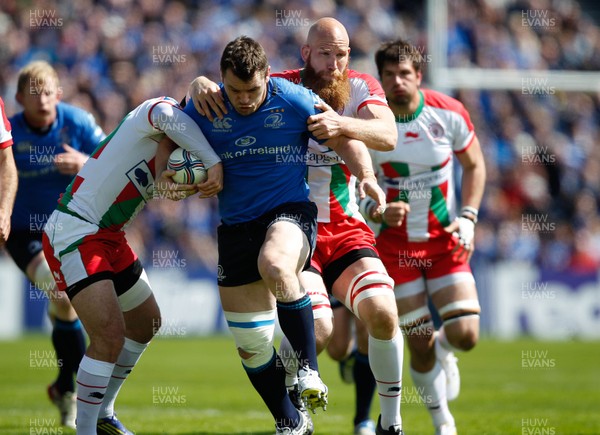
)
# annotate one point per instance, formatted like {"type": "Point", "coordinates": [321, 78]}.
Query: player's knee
{"type": "Point", "coordinates": [465, 340]}
{"type": "Point", "coordinates": [338, 349]}
{"type": "Point", "coordinates": [380, 318]}
{"type": "Point", "coordinates": [253, 334]}
{"type": "Point", "coordinates": [278, 278]}
{"type": "Point", "coordinates": [462, 330]}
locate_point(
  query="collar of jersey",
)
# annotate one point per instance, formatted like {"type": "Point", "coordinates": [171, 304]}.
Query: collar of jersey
{"type": "Point", "coordinates": [405, 119]}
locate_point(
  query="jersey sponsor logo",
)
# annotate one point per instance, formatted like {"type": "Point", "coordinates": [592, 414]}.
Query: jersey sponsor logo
{"type": "Point", "coordinates": [436, 130]}
{"type": "Point", "coordinates": [141, 177]}
{"type": "Point", "coordinates": [245, 141]}
{"type": "Point", "coordinates": [274, 120]}
{"type": "Point", "coordinates": [323, 159]}
{"type": "Point", "coordinates": [222, 125]}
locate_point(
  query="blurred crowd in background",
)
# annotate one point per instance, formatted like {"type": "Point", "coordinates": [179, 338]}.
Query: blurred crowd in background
{"type": "Point", "coordinates": [543, 194]}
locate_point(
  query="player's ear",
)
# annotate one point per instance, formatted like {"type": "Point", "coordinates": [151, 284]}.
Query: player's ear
{"type": "Point", "coordinates": [268, 75]}
{"type": "Point", "coordinates": [19, 97]}
{"type": "Point", "coordinates": [419, 77]}
{"type": "Point", "coordinates": [305, 52]}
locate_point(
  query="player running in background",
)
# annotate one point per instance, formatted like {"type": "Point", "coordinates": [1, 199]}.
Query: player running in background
{"type": "Point", "coordinates": [92, 262]}
{"type": "Point", "coordinates": [345, 263]}
{"type": "Point", "coordinates": [424, 245]}
{"type": "Point", "coordinates": [51, 143]}
{"type": "Point", "coordinates": [269, 223]}
{"type": "Point", "coordinates": [8, 176]}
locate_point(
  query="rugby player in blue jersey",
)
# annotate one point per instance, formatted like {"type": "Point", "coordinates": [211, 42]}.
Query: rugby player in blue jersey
{"type": "Point", "coordinates": [268, 223]}
{"type": "Point", "coordinates": [51, 143]}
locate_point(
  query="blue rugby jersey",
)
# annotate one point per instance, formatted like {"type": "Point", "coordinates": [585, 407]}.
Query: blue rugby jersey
{"type": "Point", "coordinates": [263, 154]}
{"type": "Point", "coordinates": [40, 183]}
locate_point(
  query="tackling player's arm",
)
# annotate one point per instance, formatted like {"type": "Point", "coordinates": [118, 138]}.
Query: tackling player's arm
{"type": "Point", "coordinates": [357, 159]}
{"type": "Point", "coordinates": [207, 97]}
{"type": "Point", "coordinates": [375, 126]}
{"type": "Point", "coordinates": [164, 186]}
{"type": "Point", "coordinates": [182, 130]}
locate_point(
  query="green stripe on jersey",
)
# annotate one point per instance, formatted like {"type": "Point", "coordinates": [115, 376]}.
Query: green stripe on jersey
{"type": "Point", "coordinates": [119, 213]}
{"type": "Point", "coordinates": [439, 206]}
{"type": "Point", "coordinates": [339, 186]}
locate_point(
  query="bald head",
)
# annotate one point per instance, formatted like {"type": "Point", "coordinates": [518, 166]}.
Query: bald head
{"type": "Point", "coordinates": [328, 39]}
{"type": "Point", "coordinates": [327, 30]}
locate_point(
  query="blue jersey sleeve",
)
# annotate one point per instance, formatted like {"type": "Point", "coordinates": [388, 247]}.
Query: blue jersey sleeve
{"type": "Point", "coordinates": [91, 133]}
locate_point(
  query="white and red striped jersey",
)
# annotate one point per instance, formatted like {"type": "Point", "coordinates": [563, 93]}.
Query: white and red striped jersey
{"type": "Point", "coordinates": [420, 170]}
{"type": "Point", "coordinates": [332, 187]}
{"type": "Point", "coordinates": [5, 134]}
{"type": "Point", "coordinates": [118, 178]}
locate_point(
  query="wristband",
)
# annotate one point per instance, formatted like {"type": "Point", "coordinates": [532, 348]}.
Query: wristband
{"type": "Point", "coordinates": [470, 213]}
{"type": "Point", "coordinates": [469, 209]}
{"type": "Point", "coordinates": [364, 206]}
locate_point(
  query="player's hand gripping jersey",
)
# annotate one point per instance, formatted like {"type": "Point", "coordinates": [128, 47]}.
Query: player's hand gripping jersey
{"type": "Point", "coordinates": [264, 153]}
{"type": "Point", "coordinates": [419, 171]}
{"type": "Point", "coordinates": [118, 179]}
{"type": "Point", "coordinates": [332, 187]}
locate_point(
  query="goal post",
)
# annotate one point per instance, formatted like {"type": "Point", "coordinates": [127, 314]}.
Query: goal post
{"type": "Point", "coordinates": [442, 77]}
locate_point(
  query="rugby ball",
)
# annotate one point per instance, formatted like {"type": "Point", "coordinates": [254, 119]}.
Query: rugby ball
{"type": "Point", "coordinates": [188, 169]}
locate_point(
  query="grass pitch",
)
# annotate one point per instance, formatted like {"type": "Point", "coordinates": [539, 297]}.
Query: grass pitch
{"type": "Point", "coordinates": [197, 386]}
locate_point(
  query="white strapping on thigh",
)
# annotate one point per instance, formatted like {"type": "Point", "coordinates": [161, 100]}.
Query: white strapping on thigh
{"type": "Point", "coordinates": [435, 284]}
{"type": "Point", "coordinates": [137, 294]}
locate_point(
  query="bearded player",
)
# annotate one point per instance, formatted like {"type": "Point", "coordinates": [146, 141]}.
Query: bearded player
{"type": "Point", "coordinates": [424, 245]}
{"type": "Point", "coordinates": [345, 262]}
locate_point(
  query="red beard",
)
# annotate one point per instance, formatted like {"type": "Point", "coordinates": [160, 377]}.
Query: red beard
{"type": "Point", "coordinates": [335, 92]}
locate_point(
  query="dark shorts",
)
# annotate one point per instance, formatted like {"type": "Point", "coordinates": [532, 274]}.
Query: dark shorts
{"type": "Point", "coordinates": [240, 244]}
{"type": "Point", "coordinates": [23, 245]}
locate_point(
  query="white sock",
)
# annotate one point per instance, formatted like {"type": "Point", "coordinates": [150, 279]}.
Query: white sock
{"type": "Point", "coordinates": [431, 386]}
{"type": "Point", "coordinates": [442, 345]}
{"type": "Point", "coordinates": [129, 356]}
{"type": "Point", "coordinates": [92, 379]}
{"type": "Point", "coordinates": [385, 359]}
{"type": "Point", "coordinates": [290, 362]}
